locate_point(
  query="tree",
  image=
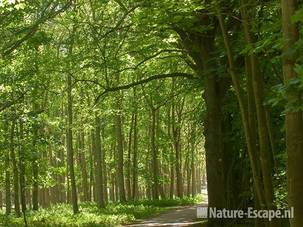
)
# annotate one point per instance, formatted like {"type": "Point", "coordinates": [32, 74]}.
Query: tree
{"type": "Point", "coordinates": [294, 118]}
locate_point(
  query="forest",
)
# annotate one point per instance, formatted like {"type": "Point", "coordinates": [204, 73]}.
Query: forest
{"type": "Point", "coordinates": [138, 112]}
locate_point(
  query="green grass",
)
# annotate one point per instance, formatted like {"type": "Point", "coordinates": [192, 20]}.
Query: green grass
{"type": "Point", "coordinates": [114, 214]}
{"type": "Point", "coordinates": [171, 202]}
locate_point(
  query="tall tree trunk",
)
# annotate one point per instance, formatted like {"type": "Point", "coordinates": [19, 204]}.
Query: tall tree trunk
{"type": "Point", "coordinates": [62, 198]}
{"type": "Point", "coordinates": [161, 166]}
{"type": "Point", "coordinates": [213, 146]}
{"type": "Point", "coordinates": [257, 180]}
{"type": "Point", "coordinates": [192, 160]}
{"type": "Point", "coordinates": [188, 173]}
{"type": "Point", "coordinates": [1, 200]}
{"type": "Point", "coordinates": [61, 177]}
{"type": "Point", "coordinates": [154, 157]}
{"type": "Point", "coordinates": [264, 143]}
{"type": "Point", "coordinates": [98, 160]}
{"type": "Point", "coordinates": [135, 158]}
{"type": "Point", "coordinates": [104, 169]}
{"type": "Point", "coordinates": [15, 170]}
{"type": "Point", "coordinates": [22, 171]}
{"type": "Point", "coordinates": [129, 154]}
{"type": "Point", "coordinates": [112, 192]}
{"type": "Point", "coordinates": [294, 121]}
{"type": "Point", "coordinates": [35, 170]}
{"type": "Point", "coordinates": [92, 166]}
{"type": "Point", "coordinates": [171, 156]}
{"type": "Point", "coordinates": [83, 165]}
{"type": "Point", "coordinates": [8, 204]}
{"type": "Point", "coordinates": [176, 130]}
{"type": "Point", "coordinates": [120, 151]}
{"type": "Point", "coordinates": [69, 142]}
{"type": "Point", "coordinates": [200, 47]}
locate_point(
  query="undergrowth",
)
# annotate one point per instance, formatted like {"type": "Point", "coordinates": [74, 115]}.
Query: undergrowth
{"type": "Point", "coordinates": [114, 214]}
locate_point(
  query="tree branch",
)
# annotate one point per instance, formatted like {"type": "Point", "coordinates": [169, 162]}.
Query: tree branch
{"type": "Point", "coordinates": [8, 104]}
{"type": "Point", "coordinates": [119, 23]}
{"type": "Point", "coordinates": [121, 5]}
{"type": "Point", "coordinates": [34, 28]}
{"type": "Point", "coordinates": [144, 81]}
{"type": "Point", "coordinates": [150, 58]}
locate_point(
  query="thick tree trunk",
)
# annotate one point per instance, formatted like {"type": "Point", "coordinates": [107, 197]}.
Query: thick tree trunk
{"type": "Point", "coordinates": [294, 121]}
{"type": "Point", "coordinates": [213, 145]}
{"type": "Point", "coordinates": [200, 48]}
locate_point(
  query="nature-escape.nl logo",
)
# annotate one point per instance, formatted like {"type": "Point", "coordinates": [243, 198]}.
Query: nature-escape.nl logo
{"type": "Point", "coordinates": [250, 213]}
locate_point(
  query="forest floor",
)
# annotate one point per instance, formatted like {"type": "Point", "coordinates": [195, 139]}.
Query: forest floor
{"type": "Point", "coordinates": [175, 216]}
{"type": "Point", "coordinates": [114, 214]}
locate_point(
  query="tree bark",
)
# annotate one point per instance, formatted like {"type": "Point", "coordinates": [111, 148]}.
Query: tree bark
{"type": "Point", "coordinates": [98, 160]}
{"type": "Point", "coordinates": [120, 152]}
{"type": "Point", "coordinates": [35, 170]}
{"type": "Point", "coordinates": [192, 160]}
{"type": "Point", "coordinates": [257, 180]}
{"type": "Point", "coordinates": [200, 47]}
{"type": "Point", "coordinates": [155, 162]}
{"type": "Point", "coordinates": [83, 165]}
{"type": "Point", "coordinates": [129, 154]}
{"type": "Point", "coordinates": [92, 181]}
{"type": "Point", "coordinates": [15, 170]}
{"type": "Point", "coordinates": [8, 203]}
{"type": "Point", "coordinates": [294, 121]}
{"type": "Point", "coordinates": [258, 90]}
{"type": "Point", "coordinates": [176, 134]}
{"type": "Point", "coordinates": [69, 142]}
{"type": "Point", "coordinates": [22, 182]}
{"type": "Point", "coordinates": [171, 156]}
{"type": "Point", "coordinates": [135, 159]}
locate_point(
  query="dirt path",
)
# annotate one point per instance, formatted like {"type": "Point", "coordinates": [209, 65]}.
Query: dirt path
{"type": "Point", "coordinates": [179, 216]}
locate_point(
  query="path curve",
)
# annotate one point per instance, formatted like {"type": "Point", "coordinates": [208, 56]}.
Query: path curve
{"type": "Point", "coordinates": [179, 216]}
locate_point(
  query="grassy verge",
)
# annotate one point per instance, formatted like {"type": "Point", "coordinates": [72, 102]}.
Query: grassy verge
{"type": "Point", "coordinates": [90, 216]}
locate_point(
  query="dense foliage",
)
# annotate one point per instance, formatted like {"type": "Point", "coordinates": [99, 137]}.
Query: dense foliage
{"type": "Point", "coordinates": [118, 101]}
